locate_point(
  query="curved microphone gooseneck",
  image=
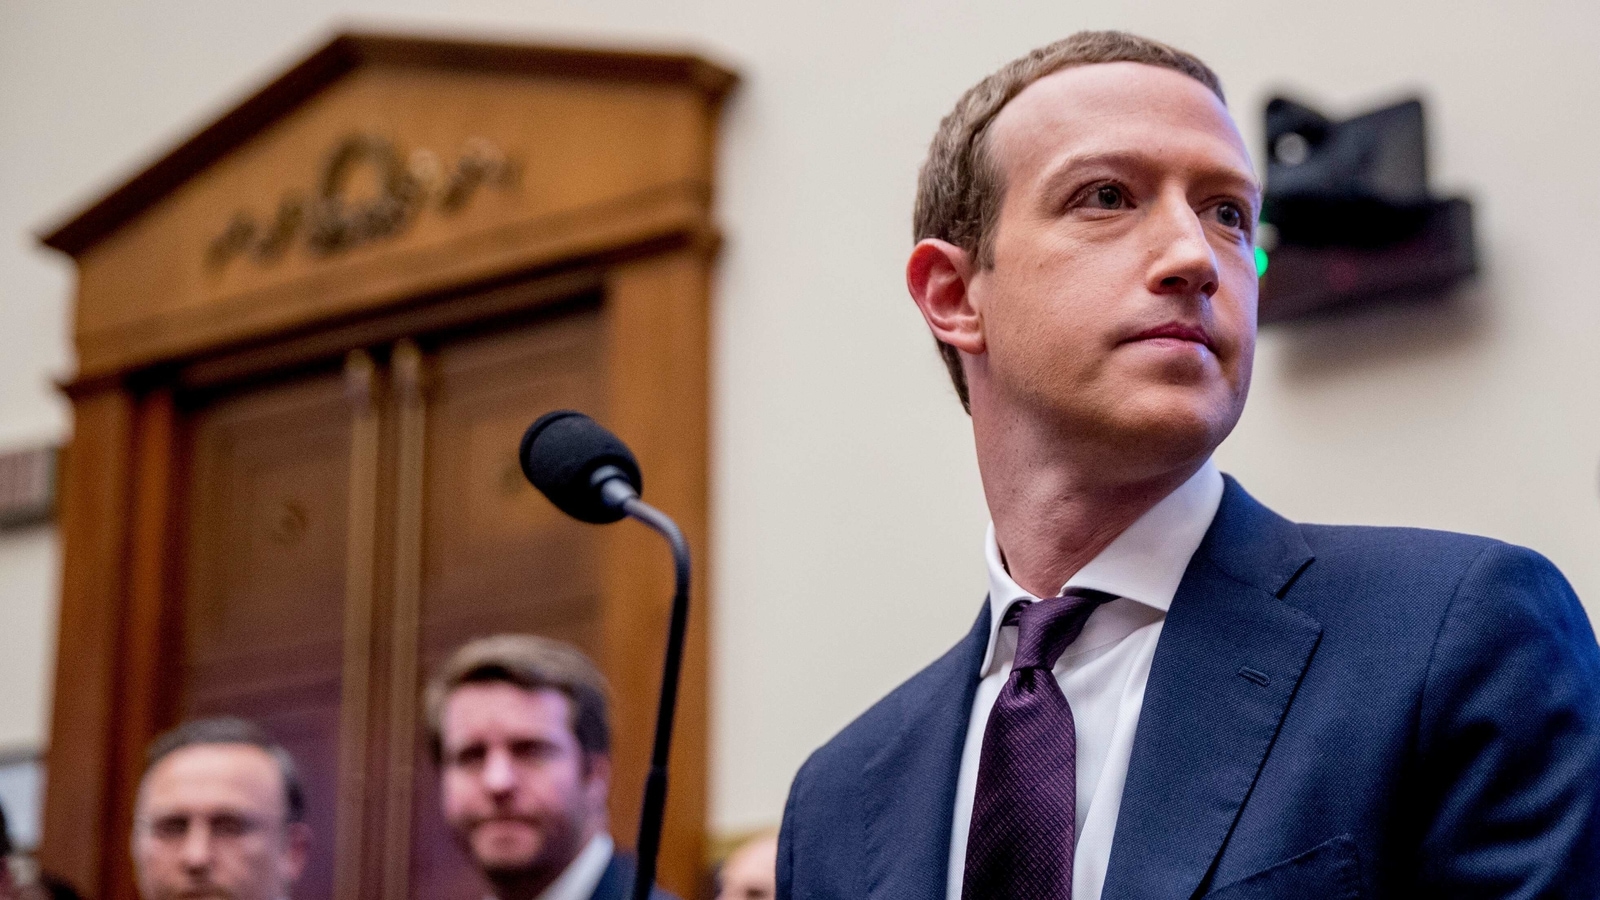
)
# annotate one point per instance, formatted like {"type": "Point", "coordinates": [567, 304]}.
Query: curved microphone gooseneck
{"type": "Point", "coordinates": [591, 475]}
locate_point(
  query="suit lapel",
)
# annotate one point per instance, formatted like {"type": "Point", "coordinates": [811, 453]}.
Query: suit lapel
{"type": "Point", "coordinates": [909, 786]}
{"type": "Point", "coordinates": [617, 881]}
{"type": "Point", "coordinates": [1229, 659]}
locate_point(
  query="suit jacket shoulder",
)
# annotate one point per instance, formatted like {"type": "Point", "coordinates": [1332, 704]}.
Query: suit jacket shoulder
{"type": "Point", "coordinates": [868, 733]}
{"type": "Point", "coordinates": [870, 810]}
{"type": "Point", "coordinates": [1445, 727]}
{"type": "Point", "coordinates": [1502, 664]}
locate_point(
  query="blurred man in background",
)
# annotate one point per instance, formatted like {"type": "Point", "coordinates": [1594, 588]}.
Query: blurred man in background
{"type": "Point", "coordinates": [750, 872]}
{"type": "Point", "coordinates": [520, 731]}
{"type": "Point", "coordinates": [220, 815]}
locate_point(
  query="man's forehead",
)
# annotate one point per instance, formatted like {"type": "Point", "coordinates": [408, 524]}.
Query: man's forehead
{"type": "Point", "coordinates": [1114, 107]}
{"type": "Point", "coordinates": [215, 776]}
{"type": "Point", "coordinates": [499, 708]}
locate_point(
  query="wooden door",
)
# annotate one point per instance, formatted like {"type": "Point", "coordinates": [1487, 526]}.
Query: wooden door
{"type": "Point", "coordinates": [345, 532]}
{"type": "Point", "coordinates": [264, 582]}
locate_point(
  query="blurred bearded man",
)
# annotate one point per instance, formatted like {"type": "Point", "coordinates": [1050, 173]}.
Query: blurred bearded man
{"type": "Point", "coordinates": [220, 815]}
{"type": "Point", "coordinates": [1171, 691]}
{"type": "Point", "coordinates": [521, 734]}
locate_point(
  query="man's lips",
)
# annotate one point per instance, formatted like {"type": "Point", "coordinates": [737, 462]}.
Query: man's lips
{"type": "Point", "coordinates": [1178, 331]}
{"type": "Point", "coordinates": [505, 821]}
{"type": "Point", "coordinates": [204, 892]}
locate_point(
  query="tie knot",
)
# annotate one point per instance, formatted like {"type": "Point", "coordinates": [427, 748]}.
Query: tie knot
{"type": "Point", "coordinates": [1046, 628]}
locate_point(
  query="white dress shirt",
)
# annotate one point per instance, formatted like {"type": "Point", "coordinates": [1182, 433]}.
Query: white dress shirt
{"type": "Point", "coordinates": [583, 874]}
{"type": "Point", "coordinates": [1102, 674]}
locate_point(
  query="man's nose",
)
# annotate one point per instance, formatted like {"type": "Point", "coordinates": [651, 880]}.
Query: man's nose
{"type": "Point", "coordinates": [499, 776]}
{"type": "Point", "coordinates": [1184, 261]}
{"type": "Point", "coordinates": [195, 853]}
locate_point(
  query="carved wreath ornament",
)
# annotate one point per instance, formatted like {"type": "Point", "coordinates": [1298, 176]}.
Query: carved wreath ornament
{"type": "Point", "coordinates": [332, 221]}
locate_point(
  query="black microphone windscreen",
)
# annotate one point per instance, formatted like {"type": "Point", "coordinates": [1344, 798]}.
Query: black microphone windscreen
{"type": "Point", "coordinates": [560, 453]}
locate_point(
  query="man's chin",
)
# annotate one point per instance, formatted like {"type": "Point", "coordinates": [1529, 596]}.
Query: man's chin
{"type": "Point", "coordinates": [518, 849]}
{"type": "Point", "coordinates": [209, 892]}
{"type": "Point", "coordinates": [510, 860]}
{"type": "Point", "coordinates": [1173, 424]}
{"type": "Point", "coordinates": [508, 848]}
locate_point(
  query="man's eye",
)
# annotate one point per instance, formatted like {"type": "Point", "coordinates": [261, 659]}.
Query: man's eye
{"type": "Point", "coordinates": [231, 826]}
{"type": "Point", "coordinates": [1230, 216]}
{"type": "Point", "coordinates": [1107, 196]}
{"type": "Point", "coordinates": [532, 751]}
{"type": "Point", "coordinates": [467, 757]}
{"type": "Point", "coordinates": [170, 828]}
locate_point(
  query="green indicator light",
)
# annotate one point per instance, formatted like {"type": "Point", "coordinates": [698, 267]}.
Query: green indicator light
{"type": "Point", "coordinates": [1261, 261]}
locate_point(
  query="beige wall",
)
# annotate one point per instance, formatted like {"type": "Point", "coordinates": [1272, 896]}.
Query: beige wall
{"type": "Point", "coordinates": [848, 515]}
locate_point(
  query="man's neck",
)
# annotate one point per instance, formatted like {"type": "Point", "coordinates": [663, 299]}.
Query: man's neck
{"type": "Point", "coordinates": [1053, 513]}
{"type": "Point", "coordinates": [521, 885]}
{"type": "Point", "coordinates": [528, 884]}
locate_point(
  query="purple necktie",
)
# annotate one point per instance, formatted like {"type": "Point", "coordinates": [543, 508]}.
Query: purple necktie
{"type": "Point", "coordinates": [1024, 815]}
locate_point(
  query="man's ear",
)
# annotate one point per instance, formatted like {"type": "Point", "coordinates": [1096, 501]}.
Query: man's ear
{"type": "Point", "coordinates": [597, 780]}
{"type": "Point", "coordinates": [597, 771]}
{"type": "Point", "coordinates": [938, 274]}
{"type": "Point", "coordinates": [296, 851]}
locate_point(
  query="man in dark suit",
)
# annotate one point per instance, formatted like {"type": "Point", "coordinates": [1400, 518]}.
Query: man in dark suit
{"type": "Point", "coordinates": [519, 729]}
{"type": "Point", "coordinates": [1171, 691]}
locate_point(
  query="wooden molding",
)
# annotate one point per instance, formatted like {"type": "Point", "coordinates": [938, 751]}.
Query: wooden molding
{"type": "Point", "coordinates": [637, 223]}
{"type": "Point", "coordinates": [360, 588]}
{"type": "Point", "coordinates": [408, 375]}
{"type": "Point", "coordinates": [94, 529]}
{"type": "Point", "coordinates": [658, 354]}
{"type": "Point", "coordinates": [148, 642]}
{"type": "Point", "coordinates": [336, 59]}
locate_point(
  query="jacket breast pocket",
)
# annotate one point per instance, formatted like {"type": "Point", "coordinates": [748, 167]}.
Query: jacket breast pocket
{"type": "Point", "coordinates": [1328, 871]}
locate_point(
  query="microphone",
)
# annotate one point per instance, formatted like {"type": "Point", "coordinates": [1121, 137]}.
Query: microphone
{"type": "Point", "coordinates": [585, 470]}
{"type": "Point", "coordinates": [591, 475]}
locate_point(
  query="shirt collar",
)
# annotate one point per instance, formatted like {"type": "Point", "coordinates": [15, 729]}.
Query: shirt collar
{"type": "Point", "coordinates": [1144, 563]}
{"type": "Point", "coordinates": [583, 874]}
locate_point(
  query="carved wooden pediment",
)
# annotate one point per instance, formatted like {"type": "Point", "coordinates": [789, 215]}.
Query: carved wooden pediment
{"type": "Point", "coordinates": [381, 168]}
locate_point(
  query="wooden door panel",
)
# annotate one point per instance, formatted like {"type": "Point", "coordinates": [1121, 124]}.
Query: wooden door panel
{"type": "Point", "coordinates": [490, 537]}
{"type": "Point", "coordinates": [263, 598]}
{"type": "Point", "coordinates": [267, 535]}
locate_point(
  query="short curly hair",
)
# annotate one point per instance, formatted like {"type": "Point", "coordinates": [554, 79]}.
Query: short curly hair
{"type": "Point", "coordinates": [959, 190]}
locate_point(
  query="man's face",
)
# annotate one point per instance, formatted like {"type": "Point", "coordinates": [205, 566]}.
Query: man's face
{"type": "Point", "coordinates": [210, 823]}
{"type": "Point", "coordinates": [517, 788]}
{"type": "Point", "coordinates": [1122, 300]}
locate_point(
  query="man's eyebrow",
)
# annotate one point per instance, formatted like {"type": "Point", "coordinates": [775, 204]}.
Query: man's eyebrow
{"type": "Point", "coordinates": [1221, 176]}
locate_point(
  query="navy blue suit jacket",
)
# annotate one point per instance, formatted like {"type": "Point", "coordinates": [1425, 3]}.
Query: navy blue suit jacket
{"type": "Point", "coordinates": [617, 882]}
{"type": "Point", "coordinates": [1332, 712]}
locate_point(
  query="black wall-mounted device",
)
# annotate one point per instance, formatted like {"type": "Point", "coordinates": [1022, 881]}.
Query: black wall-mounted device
{"type": "Point", "coordinates": [1352, 220]}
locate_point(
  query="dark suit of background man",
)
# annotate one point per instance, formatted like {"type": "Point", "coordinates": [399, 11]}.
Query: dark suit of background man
{"type": "Point", "coordinates": [1220, 702]}
{"type": "Point", "coordinates": [520, 732]}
